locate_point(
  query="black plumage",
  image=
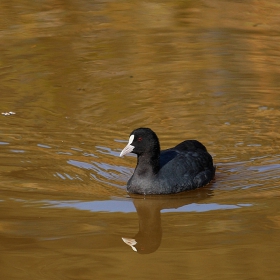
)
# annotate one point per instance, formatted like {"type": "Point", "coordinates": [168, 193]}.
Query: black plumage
{"type": "Point", "coordinates": [184, 167]}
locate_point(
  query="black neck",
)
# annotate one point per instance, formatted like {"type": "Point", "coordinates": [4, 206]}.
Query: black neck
{"type": "Point", "coordinates": [148, 164]}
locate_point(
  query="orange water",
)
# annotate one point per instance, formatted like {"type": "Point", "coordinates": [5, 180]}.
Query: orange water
{"type": "Point", "coordinates": [80, 77]}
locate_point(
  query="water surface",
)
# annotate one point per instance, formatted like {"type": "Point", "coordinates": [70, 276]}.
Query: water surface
{"type": "Point", "coordinates": [79, 78]}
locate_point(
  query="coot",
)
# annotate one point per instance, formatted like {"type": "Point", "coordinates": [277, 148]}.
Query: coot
{"type": "Point", "coordinates": [184, 167]}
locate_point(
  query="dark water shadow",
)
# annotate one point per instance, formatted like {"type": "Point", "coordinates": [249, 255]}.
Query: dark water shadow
{"type": "Point", "coordinates": [149, 236]}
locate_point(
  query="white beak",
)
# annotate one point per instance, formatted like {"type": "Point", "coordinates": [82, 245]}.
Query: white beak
{"type": "Point", "coordinates": [128, 148]}
{"type": "Point", "coordinates": [130, 242]}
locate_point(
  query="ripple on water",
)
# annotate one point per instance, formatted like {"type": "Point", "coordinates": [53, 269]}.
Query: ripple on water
{"type": "Point", "coordinates": [127, 206]}
{"type": "Point", "coordinates": [257, 172]}
{"type": "Point", "coordinates": [104, 172]}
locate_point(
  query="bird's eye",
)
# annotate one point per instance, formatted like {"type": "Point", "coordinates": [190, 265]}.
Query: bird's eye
{"type": "Point", "coordinates": [139, 139]}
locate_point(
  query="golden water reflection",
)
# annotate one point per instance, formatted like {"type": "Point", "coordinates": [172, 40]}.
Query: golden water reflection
{"type": "Point", "coordinates": [41, 237]}
{"type": "Point", "coordinates": [80, 77]}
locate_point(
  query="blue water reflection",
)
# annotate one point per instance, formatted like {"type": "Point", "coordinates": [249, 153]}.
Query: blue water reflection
{"type": "Point", "coordinates": [127, 206]}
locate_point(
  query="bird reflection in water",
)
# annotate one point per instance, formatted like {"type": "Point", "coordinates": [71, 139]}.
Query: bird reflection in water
{"type": "Point", "coordinates": [148, 238]}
